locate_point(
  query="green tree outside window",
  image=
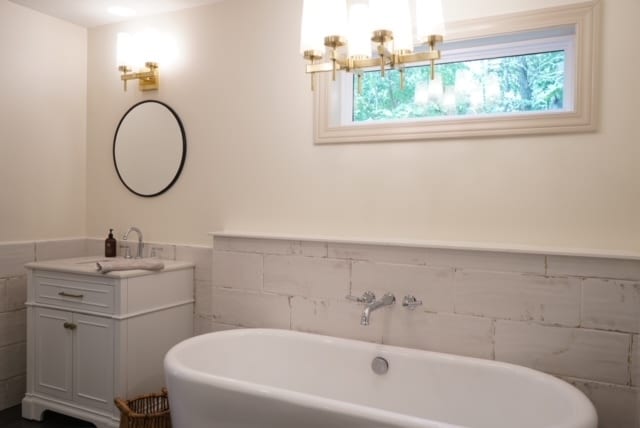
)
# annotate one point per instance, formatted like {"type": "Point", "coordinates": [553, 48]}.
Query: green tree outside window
{"type": "Point", "coordinates": [520, 83]}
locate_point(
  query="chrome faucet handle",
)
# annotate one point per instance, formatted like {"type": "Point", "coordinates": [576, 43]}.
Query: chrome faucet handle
{"type": "Point", "coordinates": [367, 297]}
{"type": "Point", "coordinates": [388, 299]}
{"type": "Point", "coordinates": [410, 302]}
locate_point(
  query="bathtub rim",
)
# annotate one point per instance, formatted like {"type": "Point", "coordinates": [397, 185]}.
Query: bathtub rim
{"type": "Point", "coordinates": [173, 366]}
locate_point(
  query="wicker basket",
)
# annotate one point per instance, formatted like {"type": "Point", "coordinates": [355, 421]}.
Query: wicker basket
{"type": "Point", "coordinates": [146, 411]}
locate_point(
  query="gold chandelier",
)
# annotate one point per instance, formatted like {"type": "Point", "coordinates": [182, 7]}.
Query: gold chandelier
{"type": "Point", "coordinates": [390, 28]}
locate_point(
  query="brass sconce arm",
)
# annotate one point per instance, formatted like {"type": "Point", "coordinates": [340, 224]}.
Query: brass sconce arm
{"type": "Point", "coordinates": [147, 80]}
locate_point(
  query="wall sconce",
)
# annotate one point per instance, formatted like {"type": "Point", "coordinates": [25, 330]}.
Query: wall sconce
{"type": "Point", "coordinates": [389, 28]}
{"type": "Point", "coordinates": [132, 49]}
{"type": "Point", "coordinates": [147, 80]}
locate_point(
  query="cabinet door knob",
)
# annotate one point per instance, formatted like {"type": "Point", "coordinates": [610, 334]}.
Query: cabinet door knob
{"type": "Point", "coordinates": [65, 294]}
{"type": "Point", "coordinates": [70, 325]}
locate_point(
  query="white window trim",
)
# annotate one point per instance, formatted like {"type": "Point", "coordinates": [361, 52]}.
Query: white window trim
{"type": "Point", "coordinates": [583, 118]}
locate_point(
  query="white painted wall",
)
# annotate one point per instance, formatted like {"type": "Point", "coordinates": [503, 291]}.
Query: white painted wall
{"type": "Point", "coordinates": [251, 165]}
{"type": "Point", "coordinates": [42, 126]}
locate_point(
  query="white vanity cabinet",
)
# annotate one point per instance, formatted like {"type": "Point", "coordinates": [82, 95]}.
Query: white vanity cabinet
{"type": "Point", "coordinates": [92, 337]}
{"type": "Point", "coordinates": [70, 361]}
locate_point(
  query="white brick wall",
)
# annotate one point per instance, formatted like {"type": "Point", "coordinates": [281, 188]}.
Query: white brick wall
{"type": "Point", "coordinates": [593, 267]}
{"type": "Point", "coordinates": [13, 292]}
{"type": "Point", "coordinates": [376, 253]}
{"type": "Point", "coordinates": [306, 276]}
{"type": "Point", "coordinates": [61, 249]}
{"type": "Point", "coordinates": [201, 256]}
{"type": "Point", "coordinates": [515, 296]}
{"type": "Point", "coordinates": [440, 332]}
{"type": "Point", "coordinates": [617, 405]}
{"type": "Point", "coordinates": [433, 285]}
{"type": "Point", "coordinates": [16, 294]}
{"type": "Point", "coordinates": [13, 359]}
{"type": "Point", "coordinates": [333, 318]}
{"type": "Point", "coordinates": [582, 353]}
{"type": "Point", "coordinates": [487, 260]}
{"type": "Point", "coordinates": [271, 246]}
{"type": "Point", "coordinates": [250, 309]}
{"type": "Point", "coordinates": [237, 270]}
{"type": "Point", "coordinates": [13, 256]}
{"type": "Point", "coordinates": [574, 317]}
{"type": "Point", "coordinates": [13, 327]}
{"type": "Point", "coordinates": [611, 305]}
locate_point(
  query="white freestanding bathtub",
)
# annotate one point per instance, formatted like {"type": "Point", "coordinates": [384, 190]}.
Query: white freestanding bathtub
{"type": "Point", "coordinates": [260, 378]}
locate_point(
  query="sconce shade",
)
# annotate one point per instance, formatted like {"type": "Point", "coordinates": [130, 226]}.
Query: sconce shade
{"type": "Point", "coordinates": [141, 51]}
{"type": "Point", "coordinates": [311, 36]}
{"type": "Point", "coordinates": [395, 16]}
{"type": "Point", "coordinates": [149, 46]}
{"type": "Point", "coordinates": [125, 50]}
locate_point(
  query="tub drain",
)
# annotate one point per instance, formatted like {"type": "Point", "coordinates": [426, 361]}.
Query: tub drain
{"type": "Point", "coordinates": [380, 365]}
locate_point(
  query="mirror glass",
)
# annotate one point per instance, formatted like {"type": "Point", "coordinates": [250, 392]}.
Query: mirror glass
{"type": "Point", "coordinates": [149, 148]}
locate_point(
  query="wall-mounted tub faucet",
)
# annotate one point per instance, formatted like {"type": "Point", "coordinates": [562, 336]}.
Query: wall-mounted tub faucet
{"type": "Point", "coordinates": [387, 299]}
{"type": "Point", "coordinates": [140, 242]}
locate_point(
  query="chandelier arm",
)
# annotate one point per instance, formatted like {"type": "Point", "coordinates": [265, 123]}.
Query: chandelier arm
{"type": "Point", "coordinates": [418, 57]}
{"type": "Point", "coordinates": [386, 59]}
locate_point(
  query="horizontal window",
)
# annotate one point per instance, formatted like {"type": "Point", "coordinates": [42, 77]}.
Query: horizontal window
{"type": "Point", "coordinates": [506, 84]}
{"type": "Point", "coordinates": [519, 74]}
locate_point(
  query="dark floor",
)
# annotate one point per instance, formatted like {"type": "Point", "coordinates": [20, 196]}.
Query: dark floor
{"type": "Point", "coordinates": [11, 418]}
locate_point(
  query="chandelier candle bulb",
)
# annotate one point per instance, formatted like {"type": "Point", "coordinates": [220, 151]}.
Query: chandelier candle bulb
{"type": "Point", "coordinates": [402, 28]}
{"type": "Point", "coordinates": [429, 19]}
{"type": "Point", "coordinates": [358, 32]}
{"type": "Point", "coordinates": [311, 31]}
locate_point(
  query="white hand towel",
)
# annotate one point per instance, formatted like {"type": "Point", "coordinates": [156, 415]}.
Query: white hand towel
{"type": "Point", "coordinates": [130, 264]}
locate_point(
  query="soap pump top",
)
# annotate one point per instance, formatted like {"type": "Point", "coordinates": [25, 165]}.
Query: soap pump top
{"type": "Point", "coordinates": [110, 245]}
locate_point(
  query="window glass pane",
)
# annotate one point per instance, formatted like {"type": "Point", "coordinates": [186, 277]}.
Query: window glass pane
{"type": "Point", "coordinates": [509, 84]}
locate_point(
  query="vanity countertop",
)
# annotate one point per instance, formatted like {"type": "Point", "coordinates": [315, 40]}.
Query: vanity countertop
{"type": "Point", "coordinates": [87, 266]}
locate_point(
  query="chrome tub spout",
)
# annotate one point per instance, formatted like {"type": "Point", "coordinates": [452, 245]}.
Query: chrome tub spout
{"type": "Point", "coordinates": [387, 300]}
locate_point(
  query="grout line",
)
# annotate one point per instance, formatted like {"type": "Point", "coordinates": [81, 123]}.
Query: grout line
{"type": "Point", "coordinates": [630, 360]}
{"type": "Point", "coordinates": [494, 326]}
{"type": "Point", "coordinates": [581, 303]}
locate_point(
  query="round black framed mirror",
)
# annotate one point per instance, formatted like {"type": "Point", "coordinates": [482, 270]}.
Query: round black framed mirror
{"type": "Point", "coordinates": [149, 148]}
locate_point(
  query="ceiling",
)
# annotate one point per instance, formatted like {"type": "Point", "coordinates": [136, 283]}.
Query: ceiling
{"type": "Point", "coordinates": [92, 13]}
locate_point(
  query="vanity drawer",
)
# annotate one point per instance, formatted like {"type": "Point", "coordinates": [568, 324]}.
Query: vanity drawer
{"type": "Point", "coordinates": [74, 292]}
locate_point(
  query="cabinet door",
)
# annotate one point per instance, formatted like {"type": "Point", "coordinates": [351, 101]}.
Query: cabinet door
{"type": "Point", "coordinates": [53, 353]}
{"type": "Point", "coordinates": [94, 353]}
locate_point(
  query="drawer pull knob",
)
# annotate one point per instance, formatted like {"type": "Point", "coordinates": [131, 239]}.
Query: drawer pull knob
{"type": "Point", "coordinates": [70, 325]}
{"type": "Point", "coordinates": [65, 294]}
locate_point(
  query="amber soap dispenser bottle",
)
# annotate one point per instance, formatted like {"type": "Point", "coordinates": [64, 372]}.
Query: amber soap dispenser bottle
{"type": "Point", "coordinates": [110, 245]}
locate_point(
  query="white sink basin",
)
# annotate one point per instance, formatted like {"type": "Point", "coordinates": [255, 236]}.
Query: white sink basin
{"type": "Point", "coordinates": [87, 262]}
{"type": "Point", "coordinates": [87, 265]}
